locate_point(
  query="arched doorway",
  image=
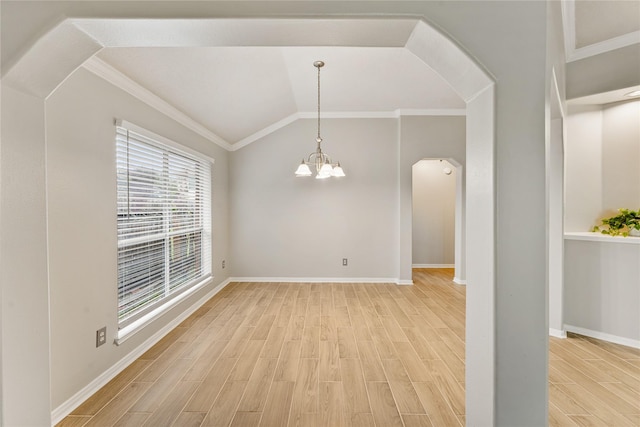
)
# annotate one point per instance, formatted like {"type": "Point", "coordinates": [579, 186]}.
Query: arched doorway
{"type": "Point", "coordinates": [438, 216]}
{"type": "Point", "coordinates": [41, 70]}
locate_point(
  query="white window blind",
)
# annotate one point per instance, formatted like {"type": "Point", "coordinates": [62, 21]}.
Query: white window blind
{"type": "Point", "coordinates": [164, 222]}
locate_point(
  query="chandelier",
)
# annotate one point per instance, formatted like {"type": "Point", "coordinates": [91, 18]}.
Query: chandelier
{"type": "Point", "coordinates": [325, 168]}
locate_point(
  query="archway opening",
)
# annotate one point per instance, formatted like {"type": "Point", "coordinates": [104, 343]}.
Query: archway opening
{"type": "Point", "coordinates": [437, 216]}
{"type": "Point", "coordinates": [40, 71]}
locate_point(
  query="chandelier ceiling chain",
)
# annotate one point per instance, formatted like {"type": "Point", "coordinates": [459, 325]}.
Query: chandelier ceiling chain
{"type": "Point", "coordinates": [325, 168]}
{"type": "Point", "coordinates": [318, 65]}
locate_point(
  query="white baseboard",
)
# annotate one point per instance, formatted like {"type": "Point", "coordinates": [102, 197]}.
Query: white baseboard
{"type": "Point", "coordinates": [558, 333]}
{"type": "Point", "coordinates": [322, 280]}
{"type": "Point", "coordinates": [74, 401]}
{"type": "Point", "coordinates": [432, 266]}
{"type": "Point", "coordinates": [603, 336]}
{"type": "Point", "coordinates": [459, 281]}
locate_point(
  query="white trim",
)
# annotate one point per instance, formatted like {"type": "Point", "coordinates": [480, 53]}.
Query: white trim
{"type": "Point", "coordinates": [459, 281]}
{"type": "Point", "coordinates": [568, 9]}
{"type": "Point", "coordinates": [74, 401]}
{"type": "Point", "coordinates": [397, 113]}
{"type": "Point", "coordinates": [558, 333]}
{"type": "Point", "coordinates": [432, 265]}
{"type": "Point", "coordinates": [349, 115]}
{"type": "Point", "coordinates": [115, 77]}
{"type": "Point", "coordinates": [430, 112]}
{"type": "Point", "coordinates": [604, 46]}
{"type": "Point", "coordinates": [264, 132]}
{"type": "Point", "coordinates": [118, 79]}
{"type": "Point", "coordinates": [554, 81]}
{"type": "Point", "coordinates": [599, 237]}
{"type": "Point", "coordinates": [136, 326]}
{"type": "Point", "coordinates": [323, 280]}
{"type": "Point", "coordinates": [345, 115]}
{"type": "Point", "coordinates": [629, 342]}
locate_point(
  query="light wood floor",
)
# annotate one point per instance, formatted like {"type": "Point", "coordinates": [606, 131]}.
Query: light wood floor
{"type": "Point", "coordinates": [282, 354]}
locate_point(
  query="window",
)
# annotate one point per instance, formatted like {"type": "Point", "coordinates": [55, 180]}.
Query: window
{"type": "Point", "coordinates": [164, 221]}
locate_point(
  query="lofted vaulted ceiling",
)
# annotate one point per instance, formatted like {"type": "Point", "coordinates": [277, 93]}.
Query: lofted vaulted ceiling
{"type": "Point", "coordinates": [238, 91]}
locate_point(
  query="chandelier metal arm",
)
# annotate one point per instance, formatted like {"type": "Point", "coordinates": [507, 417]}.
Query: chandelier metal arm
{"type": "Point", "coordinates": [322, 162]}
{"type": "Point", "coordinates": [319, 155]}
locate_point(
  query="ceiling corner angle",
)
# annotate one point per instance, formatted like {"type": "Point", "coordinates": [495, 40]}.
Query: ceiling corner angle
{"type": "Point", "coordinates": [118, 79]}
{"type": "Point", "coordinates": [264, 132]}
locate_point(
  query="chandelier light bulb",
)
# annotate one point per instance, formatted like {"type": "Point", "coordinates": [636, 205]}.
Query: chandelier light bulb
{"type": "Point", "coordinates": [337, 171]}
{"type": "Point", "coordinates": [303, 169]}
{"type": "Point", "coordinates": [326, 169]}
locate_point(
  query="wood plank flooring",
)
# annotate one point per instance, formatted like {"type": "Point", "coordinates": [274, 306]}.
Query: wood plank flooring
{"type": "Point", "coordinates": [291, 354]}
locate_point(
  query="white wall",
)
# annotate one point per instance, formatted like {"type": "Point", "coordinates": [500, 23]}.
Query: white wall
{"type": "Point", "coordinates": [521, 320]}
{"type": "Point", "coordinates": [23, 262]}
{"type": "Point", "coordinates": [602, 289]}
{"type": "Point", "coordinates": [286, 226]}
{"type": "Point", "coordinates": [433, 216]}
{"type": "Point", "coordinates": [602, 158]}
{"type": "Point", "coordinates": [82, 238]}
{"type": "Point", "coordinates": [480, 326]}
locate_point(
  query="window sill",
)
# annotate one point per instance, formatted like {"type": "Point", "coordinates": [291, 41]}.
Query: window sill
{"type": "Point", "coordinates": [134, 327]}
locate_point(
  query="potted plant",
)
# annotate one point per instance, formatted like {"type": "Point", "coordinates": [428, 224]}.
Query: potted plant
{"type": "Point", "coordinates": [626, 223]}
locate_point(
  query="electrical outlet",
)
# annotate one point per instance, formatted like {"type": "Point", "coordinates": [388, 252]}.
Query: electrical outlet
{"type": "Point", "coordinates": [101, 336]}
{"type": "Point", "coordinates": [223, 263]}
{"type": "Point", "coordinates": [345, 261]}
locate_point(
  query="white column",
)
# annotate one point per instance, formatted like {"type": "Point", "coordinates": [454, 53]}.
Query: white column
{"type": "Point", "coordinates": [23, 262]}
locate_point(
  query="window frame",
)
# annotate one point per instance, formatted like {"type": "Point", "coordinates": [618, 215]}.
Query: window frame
{"type": "Point", "coordinates": [131, 324]}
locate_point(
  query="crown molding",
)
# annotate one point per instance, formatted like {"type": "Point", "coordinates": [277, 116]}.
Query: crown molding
{"type": "Point", "coordinates": [395, 114]}
{"type": "Point", "coordinates": [431, 112]}
{"type": "Point", "coordinates": [115, 77]}
{"type": "Point", "coordinates": [264, 132]}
